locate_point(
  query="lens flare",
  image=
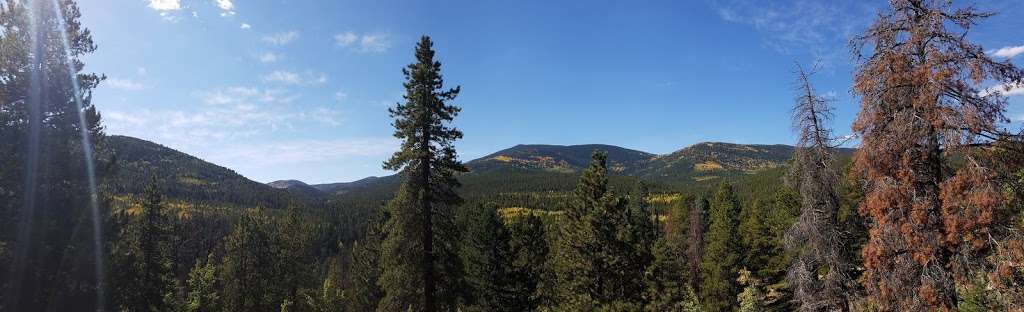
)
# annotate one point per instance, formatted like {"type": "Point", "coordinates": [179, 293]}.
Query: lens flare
{"type": "Point", "coordinates": [87, 152]}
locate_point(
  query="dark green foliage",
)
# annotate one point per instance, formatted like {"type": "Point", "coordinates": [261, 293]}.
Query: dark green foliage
{"type": "Point", "coordinates": [488, 261]}
{"type": "Point", "coordinates": [722, 255]}
{"type": "Point", "coordinates": [529, 249]}
{"type": "Point", "coordinates": [143, 259]}
{"type": "Point", "coordinates": [265, 262]}
{"type": "Point", "coordinates": [45, 198]}
{"type": "Point", "coordinates": [362, 291]}
{"type": "Point", "coordinates": [422, 226]}
{"type": "Point", "coordinates": [762, 227]}
{"type": "Point", "coordinates": [667, 287]}
{"type": "Point", "coordinates": [604, 246]}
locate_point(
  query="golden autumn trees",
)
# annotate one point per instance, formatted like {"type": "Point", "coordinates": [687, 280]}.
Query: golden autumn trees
{"type": "Point", "coordinates": [922, 107]}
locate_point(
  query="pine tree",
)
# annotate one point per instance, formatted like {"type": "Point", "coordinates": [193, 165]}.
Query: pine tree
{"type": "Point", "coordinates": [922, 105]}
{"type": "Point", "coordinates": [45, 187]}
{"type": "Point", "coordinates": [422, 223]}
{"type": "Point", "coordinates": [755, 241]}
{"type": "Point", "coordinates": [146, 280]}
{"type": "Point", "coordinates": [721, 260]}
{"type": "Point", "coordinates": [488, 261]}
{"type": "Point", "coordinates": [204, 287]}
{"type": "Point", "coordinates": [362, 292]}
{"type": "Point", "coordinates": [529, 247]}
{"type": "Point", "coordinates": [252, 281]}
{"type": "Point", "coordinates": [667, 288]}
{"type": "Point", "coordinates": [330, 296]}
{"type": "Point", "coordinates": [597, 245]}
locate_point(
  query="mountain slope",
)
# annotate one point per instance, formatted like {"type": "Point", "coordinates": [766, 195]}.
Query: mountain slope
{"type": "Point", "coordinates": [299, 189]}
{"type": "Point", "coordinates": [184, 177]}
{"type": "Point", "coordinates": [559, 158]}
{"type": "Point", "coordinates": [708, 160]}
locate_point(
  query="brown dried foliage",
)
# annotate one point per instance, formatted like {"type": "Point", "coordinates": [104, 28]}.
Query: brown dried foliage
{"type": "Point", "coordinates": [921, 102]}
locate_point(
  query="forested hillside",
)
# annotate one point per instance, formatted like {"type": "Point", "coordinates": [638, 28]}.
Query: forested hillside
{"type": "Point", "coordinates": [924, 213]}
{"type": "Point", "coordinates": [183, 177]}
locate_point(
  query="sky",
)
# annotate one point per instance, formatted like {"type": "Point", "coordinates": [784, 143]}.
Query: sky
{"type": "Point", "coordinates": [299, 89]}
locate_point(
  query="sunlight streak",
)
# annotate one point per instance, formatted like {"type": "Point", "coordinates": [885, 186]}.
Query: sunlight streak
{"type": "Point", "coordinates": [89, 166]}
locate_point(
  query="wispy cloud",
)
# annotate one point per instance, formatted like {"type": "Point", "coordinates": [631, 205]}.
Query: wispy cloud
{"type": "Point", "coordinates": [269, 57]}
{"type": "Point", "coordinates": [819, 28]}
{"type": "Point", "coordinates": [365, 43]}
{"type": "Point", "coordinates": [292, 78]}
{"type": "Point", "coordinates": [281, 38]}
{"type": "Point", "coordinates": [1008, 52]}
{"type": "Point", "coordinates": [124, 84]}
{"type": "Point", "coordinates": [245, 26]}
{"type": "Point", "coordinates": [223, 115]}
{"type": "Point", "coordinates": [124, 118]}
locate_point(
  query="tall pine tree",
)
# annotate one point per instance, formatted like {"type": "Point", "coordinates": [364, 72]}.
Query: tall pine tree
{"type": "Point", "coordinates": [604, 246]}
{"type": "Point", "coordinates": [45, 119]}
{"type": "Point", "coordinates": [147, 282]}
{"type": "Point", "coordinates": [721, 261]}
{"type": "Point", "coordinates": [488, 261]}
{"type": "Point", "coordinates": [421, 225]}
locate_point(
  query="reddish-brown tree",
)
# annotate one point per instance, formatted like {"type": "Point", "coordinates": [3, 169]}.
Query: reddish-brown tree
{"type": "Point", "coordinates": [921, 102]}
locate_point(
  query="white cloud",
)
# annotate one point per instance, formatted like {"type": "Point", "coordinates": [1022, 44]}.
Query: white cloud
{"type": "Point", "coordinates": [346, 39]}
{"type": "Point", "coordinates": [282, 38]}
{"type": "Point", "coordinates": [165, 5]}
{"type": "Point", "coordinates": [245, 26]}
{"type": "Point", "coordinates": [340, 95]}
{"type": "Point", "coordinates": [1008, 52]}
{"type": "Point", "coordinates": [224, 115]}
{"type": "Point", "coordinates": [292, 78]}
{"type": "Point", "coordinates": [227, 8]}
{"type": "Point", "coordinates": [225, 5]}
{"type": "Point", "coordinates": [123, 118]}
{"type": "Point", "coordinates": [374, 43]}
{"type": "Point", "coordinates": [270, 57]}
{"type": "Point", "coordinates": [124, 84]}
{"type": "Point", "coordinates": [141, 71]}
{"type": "Point", "coordinates": [365, 43]}
{"type": "Point", "coordinates": [1004, 89]}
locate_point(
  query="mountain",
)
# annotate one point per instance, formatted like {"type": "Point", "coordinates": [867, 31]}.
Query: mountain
{"type": "Point", "coordinates": [184, 177]}
{"type": "Point", "coordinates": [708, 160]}
{"type": "Point", "coordinates": [344, 187]}
{"type": "Point", "coordinates": [554, 168]}
{"type": "Point", "coordinates": [299, 189]}
{"type": "Point", "coordinates": [559, 158]}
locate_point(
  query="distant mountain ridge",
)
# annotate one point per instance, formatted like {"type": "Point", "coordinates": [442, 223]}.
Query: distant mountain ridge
{"type": "Point", "coordinates": [186, 177]}
{"type": "Point", "coordinates": [695, 163]}
{"type": "Point", "coordinates": [181, 176]}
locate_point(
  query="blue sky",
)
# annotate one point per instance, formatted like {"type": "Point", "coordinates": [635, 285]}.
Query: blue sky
{"type": "Point", "coordinates": [278, 89]}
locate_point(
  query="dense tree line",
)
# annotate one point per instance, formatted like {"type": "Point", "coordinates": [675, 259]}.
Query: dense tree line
{"type": "Point", "coordinates": [926, 215]}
